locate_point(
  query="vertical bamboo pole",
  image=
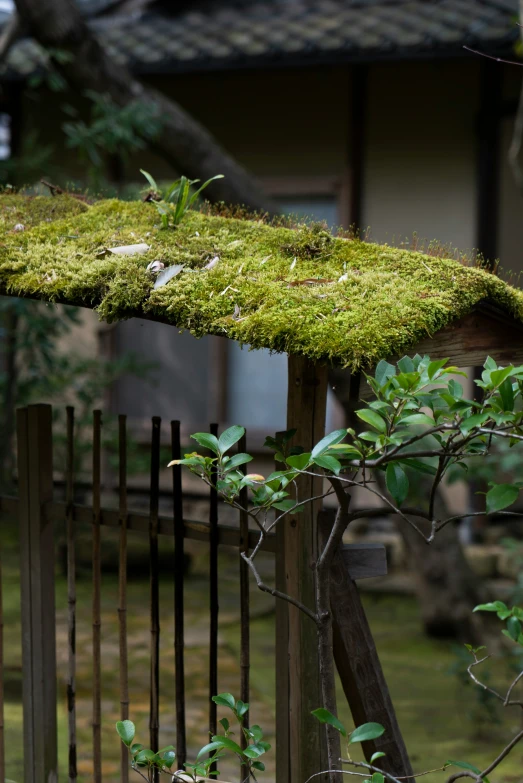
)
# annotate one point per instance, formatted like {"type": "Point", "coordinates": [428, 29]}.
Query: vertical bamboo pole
{"type": "Point", "coordinates": [245, 652]}
{"type": "Point", "coordinates": [179, 567]}
{"type": "Point", "coordinates": [71, 595]}
{"type": "Point", "coordinates": [154, 719]}
{"type": "Point", "coordinates": [213, 604]}
{"type": "Point", "coordinates": [97, 620]}
{"type": "Point", "coordinates": [306, 406]}
{"type": "Point", "coordinates": [122, 589]}
{"type": "Point", "coordinates": [2, 736]}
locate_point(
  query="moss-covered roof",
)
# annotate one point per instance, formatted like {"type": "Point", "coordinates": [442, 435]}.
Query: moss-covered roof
{"type": "Point", "coordinates": [297, 290]}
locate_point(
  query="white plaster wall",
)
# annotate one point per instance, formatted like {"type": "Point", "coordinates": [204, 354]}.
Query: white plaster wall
{"type": "Point", "coordinates": [420, 157]}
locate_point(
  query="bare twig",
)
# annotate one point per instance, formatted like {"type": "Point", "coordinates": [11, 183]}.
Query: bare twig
{"type": "Point", "coordinates": [277, 593]}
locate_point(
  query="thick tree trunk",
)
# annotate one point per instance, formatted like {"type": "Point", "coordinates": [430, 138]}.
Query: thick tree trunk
{"type": "Point", "coordinates": [447, 588]}
{"type": "Point", "coordinates": [182, 141]}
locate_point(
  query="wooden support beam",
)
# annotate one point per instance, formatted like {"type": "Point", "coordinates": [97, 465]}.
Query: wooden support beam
{"type": "Point", "coordinates": [301, 749]}
{"type": "Point", "coordinates": [468, 341]}
{"type": "Point", "coordinates": [359, 667]}
{"type": "Point", "coordinates": [364, 561]}
{"type": "Point", "coordinates": [35, 476]}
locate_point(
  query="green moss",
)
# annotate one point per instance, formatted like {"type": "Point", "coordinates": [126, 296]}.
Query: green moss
{"type": "Point", "coordinates": [387, 301]}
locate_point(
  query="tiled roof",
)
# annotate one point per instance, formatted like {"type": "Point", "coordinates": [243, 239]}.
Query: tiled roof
{"type": "Point", "coordinates": [234, 33]}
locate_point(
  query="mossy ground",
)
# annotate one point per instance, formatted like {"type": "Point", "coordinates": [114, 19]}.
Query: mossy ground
{"type": "Point", "coordinates": [434, 708]}
{"type": "Point", "coordinates": [273, 287]}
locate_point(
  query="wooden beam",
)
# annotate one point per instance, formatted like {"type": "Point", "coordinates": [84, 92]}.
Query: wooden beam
{"type": "Point", "coordinates": [365, 561]}
{"type": "Point", "coordinates": [468, 341]}
{"type": "Point", "coordinates": [35, 476]}
{"type": "Point", "coordinates": [297, 646]}
{"type": "Point", "coordinates": [359, 667]}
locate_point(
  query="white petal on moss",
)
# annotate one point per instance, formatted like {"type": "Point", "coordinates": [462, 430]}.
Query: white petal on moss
{"type": "Point", "coordinates": [167, 274]}
{"type": "Point", "coordinates": [212, 263]}
{"type": "Point", "coordinates": [130, 250]}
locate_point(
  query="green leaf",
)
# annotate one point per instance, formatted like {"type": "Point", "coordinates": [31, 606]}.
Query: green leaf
{"type": "Point", "coordinates": [373, 418]}
{"type": "Point", "coordinates": [230, 437]}
{"type": "Point", "coordinates": [501, 496]}
{"type": "Point", "coordinates": [434, 367]}
{"type": "Point", "coordinates": [255, 732]}
{"type": "Point", "coordinates": [324, 716]}
{"type": "Point", "coordinates": [498, 376]}
{"type": "Point", "coordinates": [209, 748]}
{"type": "Point", "coordinates": [375, 756]}
{"type": "Point", "coordinates": [287, 505]}
{"type": "Point", "coordinates": [150, 180]}
{"type": "Point", "coordinates": [366, 732]}
{"type": "Point", "coordinates": [253, 752]}
{"type": "Point", "coordinates": [377, 777]}
{"type": "Point", "coordinates": [225, 700]}
{"type": "Point", "coordinates": [417, 418]}
{"type": "Point", "coordinates": [506, 392]}
{"type": "Point", "coordinates": [513, 628]}
{"type": "Point", "coordinates": [144, 756]}
{"type": "Point", "coordinates": [136, 748]}
{"type": "Point", "coordinates": [126, 731]}
{"type": "Point", "coordinates": [397, 482]}
{"type": "Point", "coordinates": [237, 460]}
{"type": "Point", "coordinates": [329, 440]}
{"type": "Point", "coordinates": [241, 708]}
{"type": "Point", "coordinates": [225, 724]}
{"type": "Point", "coordinates": [384, 371]}
{"type": "Point", "coordinates": [465, 765]}
{"type": "Point", "coordinates": [406, 365]}
{"type": "Point", "coordinates": [228, 743]}
{"type": "Point", "coordinates": [208, 182]}
{"type": "Point", "coordinates": [456, 389]}
{"type": "Point", "coordinates": [473, 421]}
{"type": "Point", "coordinates": [207, 440]}
{"type": "Point", "coordinates": [299, 461]}
{"type": "Point", "coordinates": [169, 758]}
{"type": "Point", "coordinates": [329, 463]}
{"type": "Point", "coordinates": [259, 765]}
{"type": "Point", "coordinates": [495, 606]}
{"type": "Point", "coordinates": [421, 467]}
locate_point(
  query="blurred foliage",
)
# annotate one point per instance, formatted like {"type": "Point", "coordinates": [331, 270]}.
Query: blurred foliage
{"type": "Point", "coordinates": [110, 130]}
{"type": "Point", "coordinates": [39, 367]}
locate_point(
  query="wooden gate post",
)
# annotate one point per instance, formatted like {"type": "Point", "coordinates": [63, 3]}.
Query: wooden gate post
{"type": "Point", "coordinates": [359, 666]}
{"type": "Point", "coordinates": [35, 483]}
{"type": "Point", "coordinates": [300, 750]}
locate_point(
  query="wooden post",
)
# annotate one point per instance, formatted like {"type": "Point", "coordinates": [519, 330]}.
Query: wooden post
{"type": "Point", "coordinates": [35, 477]}
{"type": "Point", "coordinates": [301, 749]}
{"type": "Point", "coordinates": [359, 667]}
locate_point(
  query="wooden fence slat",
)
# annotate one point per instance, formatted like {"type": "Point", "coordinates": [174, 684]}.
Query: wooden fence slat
{"type": "Point", "coordinates": [213, 604]}
{"type": "Point", "coordinates": [71, 595]}
{"type": "Point", "coordinates": [283, 764]}
{"type": "Point", "coordinates": [37, 557]}
{"type": "Point", "coordinates": [245, 652]}
{"type": "Point", "coordinates": [154, 717]}
{"type": "Point", "coordinates": [179, 569]}
{"type": "Point", "coordinates": [122, 589]}
{"type": "Point", "coordinates": [97, 621]}
{"type": "Point", "coordinates": [2, 736]}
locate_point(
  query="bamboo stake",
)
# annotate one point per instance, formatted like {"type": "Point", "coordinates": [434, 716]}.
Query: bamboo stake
{"type": "Point", "coordinates": [122, 590]}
